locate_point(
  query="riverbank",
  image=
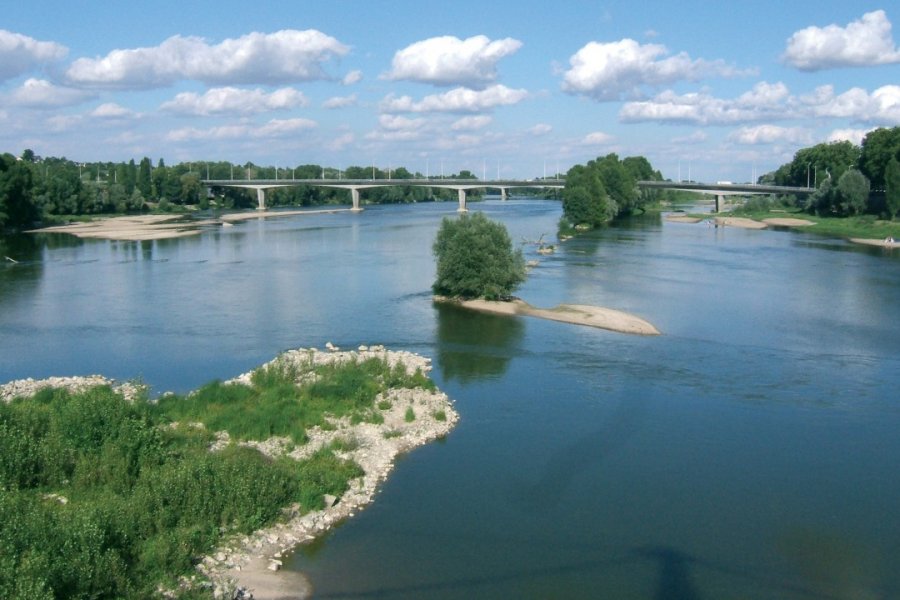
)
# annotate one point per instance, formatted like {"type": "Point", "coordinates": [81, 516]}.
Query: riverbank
{"type": "Point", "coordinates": [576, 314]}
{"type": "Point", "coordinates": [252, 562]}
{"type": "Point", "coordinates": [864, 229]}
{"type": "Point", "coordinates": [406, 419]}
{"type": "Point", "coordinates": [138, 228]}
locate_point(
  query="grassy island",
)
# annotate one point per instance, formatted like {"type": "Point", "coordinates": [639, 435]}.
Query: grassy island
{"type": "Point", "coordinates": [108, 496]}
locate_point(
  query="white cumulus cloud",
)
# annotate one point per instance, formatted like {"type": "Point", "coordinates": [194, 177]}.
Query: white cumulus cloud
{"type": "Point", "coordinates": [448, 60]}
{"type": "Point", "coordinates": [111, 110]}
{"type": "Point", "coordinates": [770, 134]}
{"type": "Point", "coordinates": [234, 101]}
{"type": "Point", "coordinates": [613, 70]}
{"type": "Point", "coordinates": [457, 100]}
{"type": "Point", "coordinates": [397, 128]}
{"type": "Point", "coordinates": [865, 42]}
{"type": "Point", "coordinates": [768, 102]}
{"type": "Point", "coordinates": [283, 56]}
{"type": "Point", "coordinates": [597, 138]}
{"type": "Point", "coordinates": [854, 136]}
{"type": "Point", "coordinates": [540, 129]}
{"type": "Point", "coordinates": [340, 101]}
{"type": "Point", "coordinates": [40, 93]}
{"type": "Point", "coordinates": [20, 54]}
{"type": "Point", "coordinates": [276, 128]}
{"type": "Point", "coordinates": [882, 106]}
{"type": "Point", "coordinates": [471, 123]}
{"type": "Point", "coordinates": [352, 77]}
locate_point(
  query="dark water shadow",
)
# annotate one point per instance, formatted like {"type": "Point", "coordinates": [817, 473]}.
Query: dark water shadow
{"type": "Point", "coordinates": [676, 573]}
{"type": "Point", "coordinates": [472, 346]}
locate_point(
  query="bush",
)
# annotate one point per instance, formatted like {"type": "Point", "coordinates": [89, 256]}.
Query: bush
{"type": "Point", "coordinates": [475, 259]}
{"type": "Point", "coordinates": [100, 498]}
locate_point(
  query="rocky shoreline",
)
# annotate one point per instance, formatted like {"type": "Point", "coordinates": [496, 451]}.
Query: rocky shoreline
{"type": "Point", "coordinates": [248, 566]}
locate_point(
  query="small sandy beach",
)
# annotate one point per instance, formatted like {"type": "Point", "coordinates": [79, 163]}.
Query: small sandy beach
{"type": "Point", "coordinates": [160, 227]}
{"type": "Point", "coordinates": [682, 219]}
{"type": "Point", "coordinates": [134, 228]}
{"type": "Point", "coordinates": [787, 222]}
{"type": "Point", "coordinates": [743, 222]}
{"type": "Point", "coordinates": [577, 314]}
{"type": "Point", "coordinates": [875, 242]}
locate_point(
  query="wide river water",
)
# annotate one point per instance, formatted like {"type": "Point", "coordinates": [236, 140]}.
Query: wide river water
{"type": "Point", "coordinates": [751, 451]}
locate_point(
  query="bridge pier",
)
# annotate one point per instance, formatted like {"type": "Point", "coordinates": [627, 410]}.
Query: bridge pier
{"type": "Point", "coordinates": [260, 199]}
{"type": "Point", "coordinates": [503, 194]}
{"type": "Point", "coordinates": [462, 201]}
{"type": "Point", "coordinates": [354, 196]}
{"type": "Point", "coordinates": [720, 200]}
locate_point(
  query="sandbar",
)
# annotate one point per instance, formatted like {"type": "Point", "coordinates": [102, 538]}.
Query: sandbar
{"type": "Point", "coordinates": [159, 227]}
{"type": "Point", "coordinates": [741, 222]}
{"type": "Point", "coordinates": [577, 314]}
{"type": "Point", "coordinates": [683, 219]}
{"type": "Point", "coordinates": [134, 228]}
{"type": "Point", "coordinates": [788, 222]}
{"type": "Point", "coordinates": [876, 242]}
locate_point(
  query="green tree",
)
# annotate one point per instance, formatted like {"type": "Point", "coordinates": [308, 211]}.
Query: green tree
{"type": "Point", "coordinates": [878, 148]}
{"type": "Point", "coordinates": [475, 259]}
{"type": "Point", "coordinates": [853, 192]}
{"type": "Point", "coordinates": [17, 207]}
{"type": "Point", "coordinates": [144, 182]}
{"type": "Point", "coordinates": [585, 201]}
{"type": "Point", "coordinates": [892, 187]}
{"type": "Point", "coordinates": [619, 183]}
{"type": "Point", "coordinates": [818, 163]}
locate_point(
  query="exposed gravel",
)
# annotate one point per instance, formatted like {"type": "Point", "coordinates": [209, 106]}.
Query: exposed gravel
{"type": "Point", "coordinates": [247, 566]}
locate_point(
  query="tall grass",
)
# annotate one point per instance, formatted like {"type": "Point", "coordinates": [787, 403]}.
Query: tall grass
{"type": "Point", "coordinates": [275, 405]}
{"type": "Point", "coordinates": [101, 498]}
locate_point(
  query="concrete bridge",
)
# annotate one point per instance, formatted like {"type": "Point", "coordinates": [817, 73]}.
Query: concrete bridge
{"type": "Point", "coordinates": [355, 185]}
{"type": "Point", "coordinates": [722, 189]}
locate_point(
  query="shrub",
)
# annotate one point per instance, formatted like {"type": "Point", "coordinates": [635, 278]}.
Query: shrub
{"type": "Point", "coordinates": [475, 259]}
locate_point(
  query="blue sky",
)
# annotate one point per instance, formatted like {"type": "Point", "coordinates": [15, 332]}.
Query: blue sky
{"type": "Point", "coordinates": [711, 90]}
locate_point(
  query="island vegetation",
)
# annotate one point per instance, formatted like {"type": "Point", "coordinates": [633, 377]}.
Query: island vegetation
{"type": "Point", "coordinates": [108, 496]}
{"type": "Point", "coordinates": [606, 188]}
{"type": "Point", "coordinates": [476, 259]}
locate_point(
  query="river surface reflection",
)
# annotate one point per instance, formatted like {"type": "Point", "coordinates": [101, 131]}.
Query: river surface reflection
{"type": "Point", "coordinates": [751, 451]}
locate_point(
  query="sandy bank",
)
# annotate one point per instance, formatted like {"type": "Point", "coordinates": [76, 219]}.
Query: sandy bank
{"type": "Point", "coordinates": [160, 227]}
{"type": "Point", "coordinates": [741, 222]}
{"type": "Point", "coordinates": [578, 314]}
{"type": "Point", "coordinates": [744, 222]}
{"type": "Point", "coordinates": [682, 219]}
{"type": "Point", "coordinates": [875, 242]}
{"type": "Point", "coordinates": [253, 562]}
{"type": "Point", "coordinates": [787, 222]}
{"type": "Point", "coordinates": [134, 228]}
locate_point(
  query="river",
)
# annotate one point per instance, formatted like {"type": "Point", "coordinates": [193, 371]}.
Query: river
{"type": "Point", "coordinates": [751, 451]}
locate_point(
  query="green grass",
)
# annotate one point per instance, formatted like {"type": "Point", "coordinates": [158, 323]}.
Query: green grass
{"type": "Point", "coordinates": [439, 415]}
{"type": "Point", "coordinates": [410, 415]}
{"type": "Point", "coordinates": [274, 405]}
{"type": "Point", "coordinates": [144, 499]}
{"type": "Point", "coordinates": [864, 226]}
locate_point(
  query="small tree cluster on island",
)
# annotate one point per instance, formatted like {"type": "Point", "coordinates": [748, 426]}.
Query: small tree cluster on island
{"type": "Point", "coordinates": [605, 188]}
{"type": "Point", "coordinates": [476, 259]}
